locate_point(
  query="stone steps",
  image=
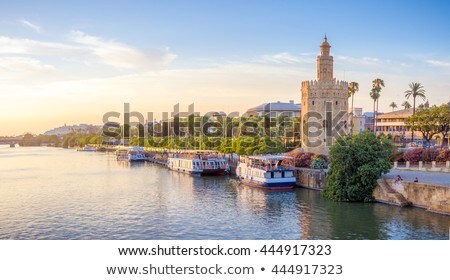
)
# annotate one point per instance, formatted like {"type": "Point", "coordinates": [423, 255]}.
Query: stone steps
{"type": "Point", "coordinates": [386, 194]}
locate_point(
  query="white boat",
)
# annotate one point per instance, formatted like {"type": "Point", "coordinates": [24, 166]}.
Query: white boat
{"type": "Point", "coordinates": [130, 154]}
{"type": "Point", "coordinates": [198, 164]}
{"type": "Point", "coordinates": [274, 172]}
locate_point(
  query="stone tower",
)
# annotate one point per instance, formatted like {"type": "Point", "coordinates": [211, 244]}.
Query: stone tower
{"type": "Point", "coordinates": [324, 106]}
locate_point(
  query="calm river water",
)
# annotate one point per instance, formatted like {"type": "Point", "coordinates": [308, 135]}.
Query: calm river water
{"type": "Point", "coordinates": [50, 193]}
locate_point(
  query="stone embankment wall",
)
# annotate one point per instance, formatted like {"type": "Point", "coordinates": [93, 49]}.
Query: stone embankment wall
{"type": "Point", "coordinates": [434, 198]}
{"type": "Point", "coordinates": [310, 178]}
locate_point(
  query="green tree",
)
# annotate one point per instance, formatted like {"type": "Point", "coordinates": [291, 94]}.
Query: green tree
{"type": "Point", "coordinates": [393, 105]}
{"type": "Point", "coordinates": [443, 115]}
{"type": "Point", "coordinates": [426, 121]}
{"type": "Point", "coordinates": [353, 87]}
{"type": "Point", "coordinates": [226, 146]}
{"type": "Point", "coordinates": [406, 105]}
{"type": "Point", "coordinates": [377, 84]}
{"type": "Point", "coordinates": [415, 90]}
{"type": "Point", "coordinates": [374, 95]}
{"type": "Point", "coordinates": [356, 162]}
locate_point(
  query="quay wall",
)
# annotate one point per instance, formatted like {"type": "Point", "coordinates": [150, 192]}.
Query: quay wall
{"type": "Point", "coordinates": [310, 178]}
{"type": "Point", "coordinates": [433, 198]}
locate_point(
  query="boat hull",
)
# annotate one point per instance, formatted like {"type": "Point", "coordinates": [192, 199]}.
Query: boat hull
{"type": "Point", "coordinates": [268, 186]}
{"type": "Point", "coordinates": [204, 172]}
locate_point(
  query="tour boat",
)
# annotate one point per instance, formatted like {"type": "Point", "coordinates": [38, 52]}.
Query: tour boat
{"type": "Point", "coordinates": [273, 172]}
{"type": "Point", "coordinates": [131, 154]}
{"type": "Point", "coordinates": [198, 164]}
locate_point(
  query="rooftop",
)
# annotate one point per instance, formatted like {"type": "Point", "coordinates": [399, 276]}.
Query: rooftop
{"type": "Point", "coordinates": [396, 114]}
{"type": "Point", "coordinates": [276, 106]}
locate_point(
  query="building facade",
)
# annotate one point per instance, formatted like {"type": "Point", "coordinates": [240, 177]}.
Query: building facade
{"type": "Point", "coordinates": [393, 123]}
{"type": "Point", "coordinates": [276, 109]}
{"type": "Point", "coordinates": [324, 106]}
{"type": "Point", "coordinates": [359, 121]}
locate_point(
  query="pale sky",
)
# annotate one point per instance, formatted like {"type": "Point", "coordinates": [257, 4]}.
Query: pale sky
{"type": "Point", "coordinates": [73, 62]}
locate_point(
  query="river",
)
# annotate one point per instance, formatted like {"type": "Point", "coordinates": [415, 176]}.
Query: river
{"type": "Point", "coordinates": [53, 193]}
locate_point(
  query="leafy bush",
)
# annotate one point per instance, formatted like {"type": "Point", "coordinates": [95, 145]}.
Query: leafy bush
{"type": "Point", "coordinates": [356, 162]}
{"type": "Point", "coordinates": [398, 156]}
{"type": "Point", "coordinates": [426, 155]}
{"type": "Point", "coordinates": [414, 155]}
{"type": "Point", "coordinates": [443, 155]}
{"type": "Point", "coordinates": [430, 155]}
{"type": "Point", "coordinates": [319, 163]}
{"type": "Point", "coordinates": [303, 160]}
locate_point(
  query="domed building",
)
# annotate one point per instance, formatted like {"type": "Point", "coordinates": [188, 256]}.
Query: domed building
{"type": "Point", "coordinates": [276, 109]}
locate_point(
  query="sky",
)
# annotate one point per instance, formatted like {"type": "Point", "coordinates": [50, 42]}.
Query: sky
{"type": "Point", "coordinates": [70, 62]}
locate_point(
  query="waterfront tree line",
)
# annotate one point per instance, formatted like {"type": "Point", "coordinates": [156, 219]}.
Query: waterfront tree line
{"type": "Point", "coordinates": [243, 136]}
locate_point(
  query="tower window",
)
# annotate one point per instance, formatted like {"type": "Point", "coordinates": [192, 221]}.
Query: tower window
{"type": "Point", "coordinates": [313, 103]}
{"type": "Point", "coordinates": [336, 103]}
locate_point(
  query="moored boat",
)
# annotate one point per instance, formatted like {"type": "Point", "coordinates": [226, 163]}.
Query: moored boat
{"type": "Point", "coordinates": [198, 163]}
{"type": "Point", "coordinates": [273, 172]}
{"type": "Point", "coordinates": [131, 154]}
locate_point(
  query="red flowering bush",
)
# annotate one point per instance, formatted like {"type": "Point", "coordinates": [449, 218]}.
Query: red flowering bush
{"type": "Point", "coordinates": [303, 160]}
{"type": "Point", "coordinates": [443, 155]}
{"type": "Point", "coordinates": [414, 156]}
{"type": "Point", "coordinates": [398, 156]}
{"type": "Point", "coordinates": [430, 155]}
{"type": "Point", "coordinates": [427, 155]}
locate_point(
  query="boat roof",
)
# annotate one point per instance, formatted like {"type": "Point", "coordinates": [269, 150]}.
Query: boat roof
{"type": "Point", "coordinates": [270, 157]}
{"type": "Point", "coordinates": [129, 148]}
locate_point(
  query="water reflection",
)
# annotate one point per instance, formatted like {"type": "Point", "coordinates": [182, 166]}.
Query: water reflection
{"type": "Point", "coordinates": [48, 193]}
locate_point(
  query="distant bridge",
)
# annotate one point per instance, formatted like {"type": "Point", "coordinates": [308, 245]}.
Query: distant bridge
{"type": "Point", "coordinates": [10, 140]}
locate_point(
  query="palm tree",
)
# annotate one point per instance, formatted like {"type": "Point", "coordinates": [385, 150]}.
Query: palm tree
{"type": "Point", "coordinates": [415, 90]}
{"type": "Point", "coordinates": [406, 105]}
{"type": "Point", "coordinates": [353, 87]}
{"type": "Point", "coordinates": [377, 84]}
{"type": "Point", "coordinates": [393, 105]}
{"type": "Point", "coordinates": [374, 95]}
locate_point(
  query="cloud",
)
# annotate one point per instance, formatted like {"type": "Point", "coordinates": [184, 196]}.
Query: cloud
{"type": "Point", "coordinates": [439, 63]}
{"type": "Point", "coordinates": [364, 61]}
{"type": "Point", "coordinates": [32, 26]}
{"type": "Point", "coordinates": [91, 49]}
{"type": "Point", "coordinates": [121, 55]}
{"type": "Point", "coordinates": [20, 46]}
{"type": "Point", "coordinates": [285, 58]}
{"type": "Point", "coordinates": [15, 68]}
{"type": "Point", "coordinates": [281, 58]}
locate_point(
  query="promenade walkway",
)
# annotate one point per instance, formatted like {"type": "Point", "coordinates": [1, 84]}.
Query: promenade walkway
{"type": "Point", "coordinates": [438, 178]}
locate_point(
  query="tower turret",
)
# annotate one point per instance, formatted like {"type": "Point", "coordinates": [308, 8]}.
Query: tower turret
{"type": "Point", "coordinates": [325, 62]}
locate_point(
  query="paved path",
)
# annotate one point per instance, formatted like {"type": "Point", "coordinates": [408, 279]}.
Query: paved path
{"type": "Point", "coordinates": [438, 178]}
